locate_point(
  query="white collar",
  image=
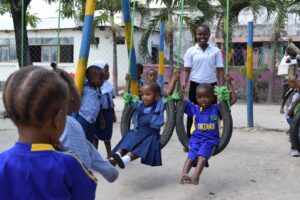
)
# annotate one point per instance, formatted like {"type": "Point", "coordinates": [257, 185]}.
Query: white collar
{"type": "Point", "coordinates": [198, 47]}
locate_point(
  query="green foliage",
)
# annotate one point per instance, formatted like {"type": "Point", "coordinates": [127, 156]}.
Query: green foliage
{"type": "Point", "coordinates": [4, 7]}
{"type": "Point", "coordinates": [32, 20]}
{"type": "Point", "coordinates": [172, 8]}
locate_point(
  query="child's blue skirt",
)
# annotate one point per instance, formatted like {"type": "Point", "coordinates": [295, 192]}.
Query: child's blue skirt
{"type": "Point", "coordinates": [143, 142]}
{"type": "Point", "coordinates": [106, 133]}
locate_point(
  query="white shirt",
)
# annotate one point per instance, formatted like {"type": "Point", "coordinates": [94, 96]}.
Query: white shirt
{"type": "Point", "coordinates": [203, 64]}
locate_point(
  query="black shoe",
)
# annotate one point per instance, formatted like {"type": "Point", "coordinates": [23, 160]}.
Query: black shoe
{"type": "Point", "coordinates": [119, 160]}
{"type": "Point", "coordinates": [112, 162]}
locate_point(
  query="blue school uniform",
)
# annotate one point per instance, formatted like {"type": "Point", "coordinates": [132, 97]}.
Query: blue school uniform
{"type": "Point", "coordinates": [144, 140]}
{"type": "Point", "coordinates": [89, 110]}
{"type": "Point", "coordinates": [204, 130]}
{"type": "Point", "coordinates": [107, 110]}
{"type": "Point", "coordinates": [37, 171]}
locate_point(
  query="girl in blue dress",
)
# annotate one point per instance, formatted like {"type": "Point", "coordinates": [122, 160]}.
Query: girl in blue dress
{"type": "Point", "coordinates": [144, 141]}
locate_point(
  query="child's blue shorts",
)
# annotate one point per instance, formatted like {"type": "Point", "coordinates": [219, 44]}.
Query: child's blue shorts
{"type": "Point", "coordinates": [204, 149]}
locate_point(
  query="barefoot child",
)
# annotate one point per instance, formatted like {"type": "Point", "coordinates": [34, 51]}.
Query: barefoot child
{"type": "Point", "coordinates": [73, 137]}
{"type": "Point", "coordinates": [205, 128]}
{"type": "Point", "coordinates": [36, 100]}
{"type": "Point", "coordinates": [144, 141]}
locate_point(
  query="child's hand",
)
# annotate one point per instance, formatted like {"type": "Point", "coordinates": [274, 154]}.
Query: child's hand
{"type": "Point", "coordinates": [292, 81]}
{"type": "Point", "coordinates": [127, 77]}
{"type": "Point", "coordinates": [176, 74]}
{"type": "Point", "coordinates": [228, 78]}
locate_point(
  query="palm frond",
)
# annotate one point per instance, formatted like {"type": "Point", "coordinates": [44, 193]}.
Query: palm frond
{"type": "Point", "coordinates": [32, 20]}
{"type": "Point", "coordinates": [143, 44]}
{"type": "Point", "coordinates": [193, 24]}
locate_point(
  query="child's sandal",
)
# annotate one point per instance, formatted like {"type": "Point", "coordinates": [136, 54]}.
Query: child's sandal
{"type": "Point", "coordinates": [119, 160]}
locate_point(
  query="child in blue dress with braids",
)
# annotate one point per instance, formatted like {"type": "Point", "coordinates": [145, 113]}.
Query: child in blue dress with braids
{"type": "Point", "coordinates": [144, 141]}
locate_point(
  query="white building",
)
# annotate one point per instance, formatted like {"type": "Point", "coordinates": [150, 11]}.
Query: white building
{"type": "Point", "coordinates": [43, 46]}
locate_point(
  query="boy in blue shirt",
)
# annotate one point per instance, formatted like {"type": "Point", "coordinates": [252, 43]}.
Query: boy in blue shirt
{"type": "Point", "coordinates": [90, 102]}
{"type": "Point", "coordinates": [205, 127]}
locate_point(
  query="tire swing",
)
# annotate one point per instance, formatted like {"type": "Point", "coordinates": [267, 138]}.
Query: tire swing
{"type": "Point", "coordinates": [295, 130]}
{"type": "Point", "coordinates": [127, 115]}
{"type": "Point", "coordinates": [166, 134]}
{"type": "Point", "coordinates": [223, 94]}
{"type": "Point", "coordinates": [225, 132]}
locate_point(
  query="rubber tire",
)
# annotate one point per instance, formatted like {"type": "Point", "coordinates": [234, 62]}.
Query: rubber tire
{"type": "Point", "coordinates": [166, 134]}
{"type": "Point", "coordinates": [227, 126]}
{"type": "Point", "coordinates": [294, 131]}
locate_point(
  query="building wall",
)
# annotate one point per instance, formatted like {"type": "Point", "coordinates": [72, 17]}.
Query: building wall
{"type": "Point", "coordinates": [104, 51]}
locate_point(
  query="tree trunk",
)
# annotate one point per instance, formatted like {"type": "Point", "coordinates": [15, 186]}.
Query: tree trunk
{"type": "Point", "coordinates": [17, 15]}
{"type": "Point", "coordinates": [270, 98]}
{"type": "Point", "coordinates": [115, 64]}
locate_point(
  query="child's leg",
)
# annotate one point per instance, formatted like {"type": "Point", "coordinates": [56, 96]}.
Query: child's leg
{"type": "Point", "coordinates": [132, 156]}
{"type": "Point", "coordinates": [108, 148]}
{"type": "Point", "coordinates": [200, 165]}
{"type": "Point", "coordinates": [185, 171]}
{"type": "Point", "coordinates": [96, 143]}
{"type": "Point", "coordinates": [122, 158]}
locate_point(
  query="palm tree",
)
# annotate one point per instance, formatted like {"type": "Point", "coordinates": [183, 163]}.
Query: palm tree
{"type": "Point", "coordinates": [166, 15]}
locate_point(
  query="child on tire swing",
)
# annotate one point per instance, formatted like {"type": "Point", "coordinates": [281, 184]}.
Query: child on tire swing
{"type": "Point", "coordinates": [144, 141]}
{"type": "Point", "coordinates": [205, 128]}
{"type": "Point", "coordinates": [293, 109]}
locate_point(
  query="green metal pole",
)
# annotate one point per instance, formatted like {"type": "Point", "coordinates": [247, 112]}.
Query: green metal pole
{"type": "Point", "coordinates": [227, 37]}
{"type": "Point", "coordinates": [22, 35]}
{"type": "Point", "coordinates": [58, 32]}
{"type": "Point", "coordinates": [179, 45]}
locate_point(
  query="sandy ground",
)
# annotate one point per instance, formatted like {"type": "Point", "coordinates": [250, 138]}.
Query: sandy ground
{"type": "Point", "coordinates": [255, 165]}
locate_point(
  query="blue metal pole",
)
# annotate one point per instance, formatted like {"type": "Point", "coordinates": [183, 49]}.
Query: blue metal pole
{"type": "Point", "coordinates": [250, 75]}
{"type": "Point", "coordinates": [161, 54]}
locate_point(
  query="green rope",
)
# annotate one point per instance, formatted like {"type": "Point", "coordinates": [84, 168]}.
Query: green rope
{"type": "Point", "coordinates": [131, 40]}
{"type": "Point", "coordinates": [223, 94]}
{"type": "Point", "coordinates": [58, 32]}
{"type": "Point", "coordinates": [227, 36]}
{"type": "Point", "coordinates": [180, 33]}
{"type": "Point", "coordinates": [128, 98]}
{"type": "Point", "coordinates": [22, 35]}
{"type": "Point", "coordinates": [176, 93]}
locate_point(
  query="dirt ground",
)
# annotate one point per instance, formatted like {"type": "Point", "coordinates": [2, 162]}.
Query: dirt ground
{"type": "Point", "coordinates": [255, 165]}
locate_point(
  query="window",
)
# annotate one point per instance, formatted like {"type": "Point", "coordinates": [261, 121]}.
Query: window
{"type": "Point", "coordinates": [35, 53]}
{"type": "Point", "coordinates": [7, 50]}
{"type": "Point", "coordinates": [120, 40]}
{"type": "Point", "coordinates": [66, 53]}
{"type": "Point", "coordinates": [154, 55]}
{"type": "Point", "coordinates": [41, 50]}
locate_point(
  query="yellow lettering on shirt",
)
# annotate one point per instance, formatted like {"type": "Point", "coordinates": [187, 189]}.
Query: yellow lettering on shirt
{"type": "Point", "coordinates": [206, 126]}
